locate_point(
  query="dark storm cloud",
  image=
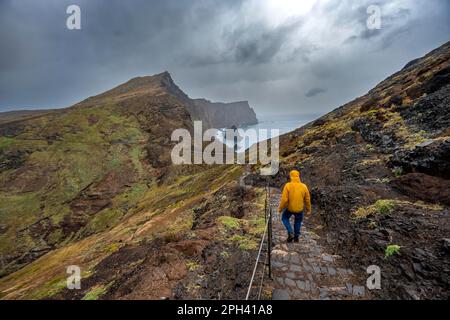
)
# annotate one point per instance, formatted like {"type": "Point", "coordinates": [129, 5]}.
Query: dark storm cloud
{"type": "Point", "coordinates": [253, 44]}
{"type": "Point", "coordinates": [258, 43]}
{"type": "Point", "coordinates": [265, 51]}
{"type": "Point", "coordinates": [314, 92]}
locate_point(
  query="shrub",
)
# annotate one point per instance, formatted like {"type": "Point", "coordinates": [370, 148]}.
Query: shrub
{"type": "Point", "coordinates": [397, 171]}
{"type": "Point", "coordinates": [191, 265]}
{"type": "Point", "coordinates": [384, 206]}
{"type": "Point", "coordinates": [379, 207]}
{"type": "Point", "coordinates": [391, 250]}
{"type": "Point", "coordinates": [244, 243]}
{"type": "Point", "coordinates": [370, 147]}
{"type": "Point", "coordinates": [229, 222]}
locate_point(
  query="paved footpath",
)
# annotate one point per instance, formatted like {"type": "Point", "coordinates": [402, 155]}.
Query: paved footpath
{"type": "Point", "coordinates": [304, 270]}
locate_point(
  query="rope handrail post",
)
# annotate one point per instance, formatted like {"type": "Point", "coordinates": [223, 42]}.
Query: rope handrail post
{"type": "Point", "coordinates": [265, 206]}
{"type": "Point", "coordinates": [256, 263]}
{"type": "Point", "coordinates": [269, 243]}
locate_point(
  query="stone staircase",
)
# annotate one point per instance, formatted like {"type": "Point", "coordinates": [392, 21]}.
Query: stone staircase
{"type": "Point", "coordinates": [304, 270]}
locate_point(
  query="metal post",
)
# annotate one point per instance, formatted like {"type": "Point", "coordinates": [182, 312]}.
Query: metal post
{"type": "Point", "coordinates": [265, 207]}
{"type": "Point", "coordinates": [269, 242]}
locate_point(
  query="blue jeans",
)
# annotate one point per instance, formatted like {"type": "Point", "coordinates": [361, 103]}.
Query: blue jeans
{"type": "Point", "coordinates": [286, 216]}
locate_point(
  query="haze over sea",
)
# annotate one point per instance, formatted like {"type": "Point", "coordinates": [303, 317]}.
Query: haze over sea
{"type": "Point", "coordinates": [284, 124]}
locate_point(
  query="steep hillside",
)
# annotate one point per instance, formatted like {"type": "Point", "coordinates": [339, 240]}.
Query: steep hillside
{"type": "Point", "coordinates": [93, 185]}
{"type": "Point", "coordinates": [59, 170]}
{"type": "Point", "coordinates": [10, 116]}
{"type": "Point", "coordinates": [379, 171]}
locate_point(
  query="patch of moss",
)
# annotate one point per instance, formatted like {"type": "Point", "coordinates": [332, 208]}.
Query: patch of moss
{"type": "Point", "coordinates": [384, 206]}
{"type": "Point", "coordinates": [192, 266]}
{"type": "Point", "coordinates": [370, 147]}
{"type": "Point", "coordinates": [104, 219]}
{"type": "Point", "coordinates": [244, 243]}
{"type": "Point", "coordinates": [257, 226]}
{"type": "Point", "coordinates": [379, 207]}
{"type": "Point", "coordinates": [114, 247]}
{"type": "Point", "coordinates": [96, 292]}
{"type": "Point", "coordinates": [50, 288]}
{"type": "Point", "coordinates": [229, 222]}
{"type": "Point", "coordinates": [6, 142]}
{"type": "Point", "coordinates": [372, 112]}
{"type": "Point", "coordinates": [391, 250]}
{"type": "Point", "coordinates": [397, 171]}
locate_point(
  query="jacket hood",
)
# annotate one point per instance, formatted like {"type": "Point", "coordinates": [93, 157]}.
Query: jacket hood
{"type": "Point", "coordinates": [295, 176]}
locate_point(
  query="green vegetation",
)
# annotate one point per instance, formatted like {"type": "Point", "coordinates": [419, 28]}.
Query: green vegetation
{"type": "Point", "coordinates": [384, 206]}
{"type": "Point", "coordinates": [192, 266]}
{"type": "Point", "coordinates": [370, 147]}
{"type": "Point", "coordinates": [244, 242]}
{"type": "Point", "coordinates": [96, 292]}
{"type": "Point", "coordinates": [391, 250]}
{"type": "Point", "coordinates": [372, 112]}
{"type": "Point", "coordinates": [6, 142]}
{"type": "Point", "coordinates": [257, 226]}
{"type": "Point", "coordinates": [397, 171]}
{"type": "Point", "coordinates": [229, 222]}
{"type": "Point", "coordinates": [379, 207]}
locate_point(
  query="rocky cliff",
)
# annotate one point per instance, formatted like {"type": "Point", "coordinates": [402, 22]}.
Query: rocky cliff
{"type": "Point", "coordinates": [222, 115]}
{"type": "Point", "coordinates": [212, 114]}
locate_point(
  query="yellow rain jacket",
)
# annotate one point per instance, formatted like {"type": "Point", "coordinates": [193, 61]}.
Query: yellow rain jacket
{"type": "Point", "coordinates": [295, 195]}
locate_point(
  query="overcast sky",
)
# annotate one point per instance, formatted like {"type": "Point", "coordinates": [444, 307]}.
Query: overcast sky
{"type": "Point", "coordinates": [284, 56]}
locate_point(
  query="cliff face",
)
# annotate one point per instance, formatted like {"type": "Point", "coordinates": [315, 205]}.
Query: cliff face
{"type": "Point", "coordinates": [222, 115]}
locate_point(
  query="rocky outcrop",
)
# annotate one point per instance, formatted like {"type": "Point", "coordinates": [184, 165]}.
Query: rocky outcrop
{"type": "Point", "coordinates": [212, 114]}
{"type": "Point", "coordinates": [222, 115]}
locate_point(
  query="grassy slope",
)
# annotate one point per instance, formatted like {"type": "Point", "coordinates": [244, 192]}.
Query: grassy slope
{"type": "Point", "coordinates": [159, 211]}
{"type": "Point", "coordinates": [62, 168]}
{"type": "Point", "coordinates": [57, 170]}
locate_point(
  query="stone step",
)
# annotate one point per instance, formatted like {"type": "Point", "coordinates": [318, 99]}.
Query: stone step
{"type": "Point", "coordinates": [305, 270]}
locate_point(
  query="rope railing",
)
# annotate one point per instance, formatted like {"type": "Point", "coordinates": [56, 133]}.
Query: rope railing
{"type": "Point", "coordinates": [268, 232]}
{"type": "Point", "coordinates": [256, 264]}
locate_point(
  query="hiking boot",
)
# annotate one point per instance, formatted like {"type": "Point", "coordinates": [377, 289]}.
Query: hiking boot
{"type": "Point", "coordinates": [290, 238]}
{"type": "Point", "coordinates": [296, 239]}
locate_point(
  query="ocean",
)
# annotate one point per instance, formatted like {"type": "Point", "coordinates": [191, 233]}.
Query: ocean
{"type": "Point", "coordinates": [284, 124]}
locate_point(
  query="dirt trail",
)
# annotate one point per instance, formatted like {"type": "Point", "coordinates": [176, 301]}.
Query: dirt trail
{"type": "Point", "coordinates": [305, 270]}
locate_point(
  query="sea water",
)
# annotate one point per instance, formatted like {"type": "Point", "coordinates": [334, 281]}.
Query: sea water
{"type": "Point", "coordinates": [284, 124]}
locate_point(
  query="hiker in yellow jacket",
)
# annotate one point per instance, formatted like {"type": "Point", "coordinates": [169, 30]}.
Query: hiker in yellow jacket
{"type": "Point", "coordinates": [294, 201]}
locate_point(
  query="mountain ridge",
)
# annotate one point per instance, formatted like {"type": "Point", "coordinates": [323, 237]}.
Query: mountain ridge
{"type": "Point", "coordinates": [212, 114]}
